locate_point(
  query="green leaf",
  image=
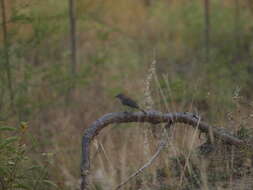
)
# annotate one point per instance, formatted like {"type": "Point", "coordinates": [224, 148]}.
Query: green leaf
{"type": "Point", "coordinates": [8, 141]}
{"type": "Point", "coordinates": [34, 168]}
{"type": "Point", "coordinates": [50, 183]}
{"type": "Point", "coordinates": [21, 186]}
{"type": "Point", "coordinates": [3, 171]}
{"type": "Point", "coordinates": [6, 128]}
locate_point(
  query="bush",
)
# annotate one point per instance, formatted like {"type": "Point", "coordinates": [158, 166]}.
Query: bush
{"type": "Point", "coordinates": [17, 169]}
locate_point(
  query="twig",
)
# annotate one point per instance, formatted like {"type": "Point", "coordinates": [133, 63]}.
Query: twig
{"type": "Point", "coordinates": [152, 159]}
{"type": "Point", "coordinates": [190, 152]}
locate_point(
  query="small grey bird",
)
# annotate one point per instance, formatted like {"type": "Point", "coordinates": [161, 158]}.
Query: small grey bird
{"type": "Point", "coordinates": [128, 102]}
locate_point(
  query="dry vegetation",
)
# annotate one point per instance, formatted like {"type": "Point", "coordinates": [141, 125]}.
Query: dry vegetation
{"type": "Point", "coordinates": [153, 52]}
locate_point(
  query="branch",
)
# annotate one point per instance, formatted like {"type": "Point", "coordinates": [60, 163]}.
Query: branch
{"type": "Point", "coordinates": [152, 159]}
{"type": "Point", "coordinates": [152, 116]}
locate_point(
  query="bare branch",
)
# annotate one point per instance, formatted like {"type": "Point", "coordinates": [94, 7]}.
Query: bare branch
{"type": "Point", "coordinates": [151, 160]}
{"type": "Point", "coordinates": [153, 117]}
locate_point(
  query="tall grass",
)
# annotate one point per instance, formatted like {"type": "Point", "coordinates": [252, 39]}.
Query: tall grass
{"type": "Point", "coordinates": [116, 43]}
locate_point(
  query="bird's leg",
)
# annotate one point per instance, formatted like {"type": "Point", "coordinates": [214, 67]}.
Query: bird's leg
{"type": "Point", "coordinates": [125, 109]}
{"type": "Point", "coordinates": [128, 109]}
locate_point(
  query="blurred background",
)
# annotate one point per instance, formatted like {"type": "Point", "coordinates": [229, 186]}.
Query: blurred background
{"type": "Point", "coordinates": [63, 61]}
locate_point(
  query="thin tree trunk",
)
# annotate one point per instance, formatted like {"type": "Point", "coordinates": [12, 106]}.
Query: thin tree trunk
{"type": "Point", "coordinates": [250, 5]}
{"type": "Point", "coordinates": [237, 29]}
{"type": "Point", "coordinates": [72, 23]}
{"type": "Point", "coordinates": [6, 53]}
{"type": "Point", "coordinates": [207, 29]}
{"type": "Point", "coordinates": [72, 35]}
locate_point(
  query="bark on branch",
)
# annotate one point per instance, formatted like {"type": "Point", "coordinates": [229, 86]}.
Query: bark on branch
{"type": "Point", "coordinates": [152, 116]}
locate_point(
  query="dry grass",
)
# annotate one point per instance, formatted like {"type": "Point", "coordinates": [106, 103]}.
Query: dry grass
{"type": "Point", "coordinates": [120, 150]}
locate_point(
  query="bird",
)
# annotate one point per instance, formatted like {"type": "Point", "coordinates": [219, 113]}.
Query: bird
{"type": "Point", "coordinates": [128, 102]}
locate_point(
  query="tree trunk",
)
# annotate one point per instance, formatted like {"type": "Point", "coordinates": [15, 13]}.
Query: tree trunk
{"type": "Point", "coordinates": [72, 35]}
{"type": "Point", "coordinates": [237, 30]}
{"type": "Point", "coordinates": [6, 53]}
{"type": "Point", "coordinates": [72, 23]}
{"type": "Point", "coordinates": [207, 29]}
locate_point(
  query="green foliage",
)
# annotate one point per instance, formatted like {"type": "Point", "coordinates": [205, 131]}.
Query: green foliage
{"type": "Point", "coordinates": [174, 30]}
{"type": "Point", "coordinates": [182, 27]}
{"type": "Point", "coordinates": [17, 169]}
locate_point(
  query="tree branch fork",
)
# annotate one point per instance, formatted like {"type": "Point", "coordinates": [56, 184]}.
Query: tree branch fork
{"type": "Point", "coordinates": [153, 117]}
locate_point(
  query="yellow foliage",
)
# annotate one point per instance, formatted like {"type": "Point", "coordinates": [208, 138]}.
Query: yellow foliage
{"type": "Point", "coordinates": [23, 126]}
